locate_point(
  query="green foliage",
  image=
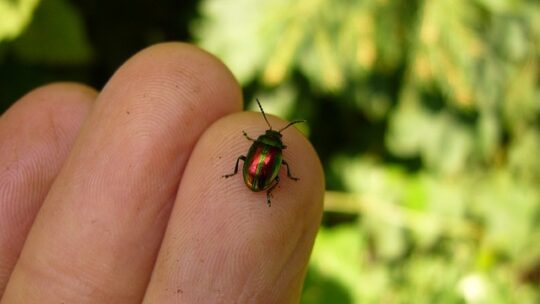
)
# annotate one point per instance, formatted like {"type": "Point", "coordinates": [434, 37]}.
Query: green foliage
{"type": "Point", "coordinates": [50, 44]}
{"type": "Point", "coordinates": [58, 31]}
{"type": "Point", "coordinates": [426, 115]}
{"type": "Point", "coordinates": [15, 16]}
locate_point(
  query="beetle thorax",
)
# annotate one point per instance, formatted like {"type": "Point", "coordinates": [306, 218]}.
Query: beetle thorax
{"type": "Point", "coordinates": [271, 138]}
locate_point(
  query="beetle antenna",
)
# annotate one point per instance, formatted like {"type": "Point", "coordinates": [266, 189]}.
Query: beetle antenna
{"type": "Point", "coordinates": [262, 111]}
{"type": "Point", "coordinates": [290, 124]}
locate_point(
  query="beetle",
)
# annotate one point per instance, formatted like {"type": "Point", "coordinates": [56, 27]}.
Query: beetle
{"type": "Point", "coordinates": [264, 160]}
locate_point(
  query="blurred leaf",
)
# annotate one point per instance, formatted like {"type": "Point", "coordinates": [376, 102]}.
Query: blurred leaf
{"type": "Point", "coordinates": [335, 257]}
{"type": "Point", "coordinates": [489, 134]}
{"type": "Point", "coordinates": [15, 16]}
{"type": "Point", "coordinates": [320, 289]}
{"type": "Point", "coordinates": [508, 209]}
{"type": "Point", "coordinates": [523, 155]}
{"type": "Point", "coordinates": [240, 39]}
{"type": "Point", "coordinates": [59, 32]}
{"type": "Point", "coordinates": [288, 34]}
{"type": "Point", "coordinates": [444, 143]}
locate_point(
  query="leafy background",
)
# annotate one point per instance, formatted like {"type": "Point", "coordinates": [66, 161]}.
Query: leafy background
{"type": "Point", "coordinates": [425, 113]}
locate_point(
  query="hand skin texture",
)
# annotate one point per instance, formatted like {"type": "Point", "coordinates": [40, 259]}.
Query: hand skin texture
{"type": "Point", "coordinates": [118, 197]}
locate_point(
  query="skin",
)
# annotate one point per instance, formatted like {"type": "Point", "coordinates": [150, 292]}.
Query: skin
{"type": "Point", "coordinates": [117, 196]}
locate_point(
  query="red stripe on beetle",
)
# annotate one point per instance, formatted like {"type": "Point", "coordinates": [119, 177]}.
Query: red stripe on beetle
{"type": "Point", "coordinates": [262, 167]}
{"type": "Point", "coordinates": [264, 159]}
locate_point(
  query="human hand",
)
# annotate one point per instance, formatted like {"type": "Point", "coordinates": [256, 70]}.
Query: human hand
{"type": "Point", "coordinates": [117, 196]}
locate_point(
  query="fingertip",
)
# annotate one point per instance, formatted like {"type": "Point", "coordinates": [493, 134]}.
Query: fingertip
{"type": "Point", "coordinates": [51, 114]}
{"type": "Point", "coordinates": [223, 143]}
{"type": "Point", "coordinates": [298, 196]}
{"type": "Point", "coordinates": [220, 227]}
{"type": "Point", "coordinates": [54, 99]}
{"type": "Point", "coordinates": [181, 69]}
{"type": "Point", "coordinates": [126, 164]}
{"type": "Point", "coordinates": [36, 134]}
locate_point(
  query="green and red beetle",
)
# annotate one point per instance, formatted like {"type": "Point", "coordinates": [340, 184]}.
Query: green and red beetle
{"type": "Point", "coordinates": [264, 160]}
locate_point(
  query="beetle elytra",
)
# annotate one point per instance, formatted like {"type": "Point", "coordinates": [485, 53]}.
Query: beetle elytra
{"type": "Point", "coordinates": [264, 160]}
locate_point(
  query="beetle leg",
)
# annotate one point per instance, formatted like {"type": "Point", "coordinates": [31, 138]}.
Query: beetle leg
{"type": "Point", "coordinates": [242, 157]}
{"type": "Point", "coordinates": [268, 192]}
{"type": "Point", "coordinates": [247, 136]}
{"type": "Point", "coordinates": [289, 172]}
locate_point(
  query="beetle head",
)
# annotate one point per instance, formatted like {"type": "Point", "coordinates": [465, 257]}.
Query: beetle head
{"type": "Point", "coordinates": [272, 138]}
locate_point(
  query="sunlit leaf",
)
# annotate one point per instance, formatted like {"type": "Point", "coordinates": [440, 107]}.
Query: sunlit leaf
{"type": "Point", "coordinates": [15, 16]}
{"type": "Point", "coordinates": [59, 31]}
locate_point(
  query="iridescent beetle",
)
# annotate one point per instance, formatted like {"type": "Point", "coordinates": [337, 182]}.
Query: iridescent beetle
{"type": "Point", "coordinates": [264, 159]}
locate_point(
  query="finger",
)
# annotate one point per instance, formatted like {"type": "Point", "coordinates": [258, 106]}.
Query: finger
{"type": "Point", "coordinates": [96, 237]}
{"type": "Point", "coordinates": [223, 244]}
{"type": "Point", "coordinates": [36, 134]}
